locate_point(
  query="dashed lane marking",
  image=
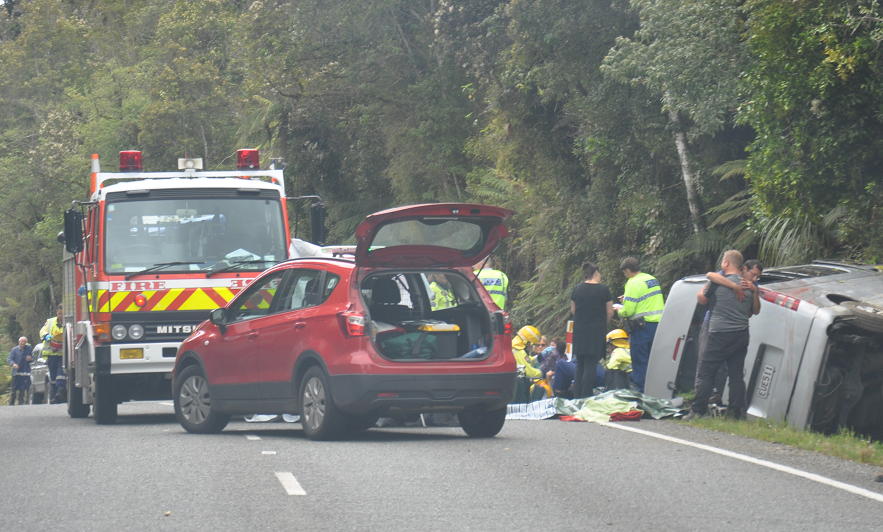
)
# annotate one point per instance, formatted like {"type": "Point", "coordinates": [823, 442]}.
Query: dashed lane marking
{"type": "Point", "coordinates": [252, 437]}
{"type": "Point", "coordinates": [291, 485]}
{"type": "Point", "coordinates": [168, 404]}
{"type": "Point", "coordinates": [268, 452]}
{"type": "Point", "coordinates": [772, 465]}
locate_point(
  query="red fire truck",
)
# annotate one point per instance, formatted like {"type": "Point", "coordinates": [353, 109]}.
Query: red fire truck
{"type": "Point", "coordinates": [147, 258]}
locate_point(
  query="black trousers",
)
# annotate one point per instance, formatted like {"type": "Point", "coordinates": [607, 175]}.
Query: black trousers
{"type": "Point", "coordinates": [729, 348]}
{"type": "Point", "coordinates": [584, 380]}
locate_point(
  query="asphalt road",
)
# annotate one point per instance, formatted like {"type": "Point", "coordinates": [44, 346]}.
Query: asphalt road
{"type": "Point", "coordinates": [147, 473]}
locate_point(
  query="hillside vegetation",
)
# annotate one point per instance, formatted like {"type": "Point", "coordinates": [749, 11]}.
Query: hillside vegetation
{"type": "Point", "coordinates": [665, 129]}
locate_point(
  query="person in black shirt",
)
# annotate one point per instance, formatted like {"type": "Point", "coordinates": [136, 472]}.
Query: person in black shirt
{"type": "Point", "coordinates": [592, 307]}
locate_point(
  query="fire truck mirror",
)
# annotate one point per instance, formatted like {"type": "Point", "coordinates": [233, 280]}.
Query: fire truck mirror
{"type": "Point", "coordinates": [73, 230]}
{"type": "Point", "coordinates": [317, 224]}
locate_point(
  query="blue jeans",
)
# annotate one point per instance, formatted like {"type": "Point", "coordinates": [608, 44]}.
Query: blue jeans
{"type": "Point", "coordinates": [564, 373]}
{"type": "Point", "coordinates": [640, 344]}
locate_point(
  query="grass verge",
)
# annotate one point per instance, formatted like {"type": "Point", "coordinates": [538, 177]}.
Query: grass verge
{"type": "Point", "coordinates": [5, 383]}
{"type": "Point", "coordinates": [843, 445]}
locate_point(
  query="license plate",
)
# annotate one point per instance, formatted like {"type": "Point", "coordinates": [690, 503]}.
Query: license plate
{"type": "Point", "coordinates": [766, 379]}
{"type": "Point", "coordinates": [128, 354]}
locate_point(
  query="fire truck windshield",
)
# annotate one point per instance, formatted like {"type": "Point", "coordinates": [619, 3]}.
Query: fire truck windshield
{"type": "Point", "coordinates": [193, 234]}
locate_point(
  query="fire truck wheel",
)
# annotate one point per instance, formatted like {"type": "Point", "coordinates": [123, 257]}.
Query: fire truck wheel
{"type": "Point", "coordinates": [193, 403]}
{"type": "Point", "coordinates": [104, 410]}
{"type": "Point", "coordinates": [75, 406]}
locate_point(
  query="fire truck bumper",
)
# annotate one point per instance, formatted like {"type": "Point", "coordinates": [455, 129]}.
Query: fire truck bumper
{"type": "Point", "coordinates": [135, 358]}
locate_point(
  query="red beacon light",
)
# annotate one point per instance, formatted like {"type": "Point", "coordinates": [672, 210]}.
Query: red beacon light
{"type": "Point", "coordinates": [130, 161]}
{"type": "Point", "coordinates": [247, 160]}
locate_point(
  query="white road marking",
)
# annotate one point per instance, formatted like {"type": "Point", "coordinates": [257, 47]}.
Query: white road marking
{"type": "Point", "coordinates": [168, 404]}
{"type": "Point", "coordinates": [268, 452]}
{"type": "Point", "coordinates": [772, 465]}
{"type": "Point", "coordinates": [252, 437]}
{"type": "Point", "coordinates": [291, 485]}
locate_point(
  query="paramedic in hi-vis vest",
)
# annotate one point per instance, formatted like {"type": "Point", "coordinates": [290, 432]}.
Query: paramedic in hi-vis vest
{"type": "Point", "coordinates": [642, 307]}
{"type": "Point", "coordinates": [495, 282]}
{"type": "Point", "coordinates": [52, 334]}
{"type": "Point", "coordinates": [442, 295]}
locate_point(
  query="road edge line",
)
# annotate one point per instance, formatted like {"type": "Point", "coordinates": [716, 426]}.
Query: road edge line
{"type": "Point", "coordinates": [757, 461]}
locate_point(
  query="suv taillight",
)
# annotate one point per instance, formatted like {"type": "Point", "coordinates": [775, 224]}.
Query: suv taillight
{"type": "Point", "coordinates": [507, 323]}
{"type": "Point", "coordinates": [352, 323]}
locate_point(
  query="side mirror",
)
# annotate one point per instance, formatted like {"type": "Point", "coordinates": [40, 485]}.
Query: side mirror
{"type": "Point", "coordinates": [73, 230]}
{"type": "Point", "coordinates": [317, 224]}
{"type": "Point", "coordinates": [219, 318]}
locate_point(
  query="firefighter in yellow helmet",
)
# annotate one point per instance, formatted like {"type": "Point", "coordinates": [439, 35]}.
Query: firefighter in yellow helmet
{"type": "Point", "coordinates": [618, 363]}
{"type": "Point", "coordinates": [527, 336]}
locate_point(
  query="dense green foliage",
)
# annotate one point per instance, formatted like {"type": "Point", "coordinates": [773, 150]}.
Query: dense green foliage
{"type": "Point", "coordinates": [666, 129]}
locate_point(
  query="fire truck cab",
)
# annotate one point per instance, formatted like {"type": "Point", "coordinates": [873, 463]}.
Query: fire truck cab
{"type": "Point", "coordinates": [147, 258]}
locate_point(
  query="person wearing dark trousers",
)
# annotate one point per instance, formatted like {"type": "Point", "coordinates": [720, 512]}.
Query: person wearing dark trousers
{"type": "Point", "coordinates": [52, 334]}
{"type": "Point", "coordinates": [727, 338]}
{"type": "Point", "coordinates": [20, 360]}
{"type": "Point", "coordinates": [642, 305]}
{"type": "Point", "coordinates": [751, 272]}
{"type": "Point", "coordinates": [592, 307]}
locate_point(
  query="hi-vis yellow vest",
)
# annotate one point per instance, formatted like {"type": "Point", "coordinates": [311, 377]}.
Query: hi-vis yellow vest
{"type": "Point", "coordinates": [52, 347]}
{"type": "Point", "coordinates": [496, 283]}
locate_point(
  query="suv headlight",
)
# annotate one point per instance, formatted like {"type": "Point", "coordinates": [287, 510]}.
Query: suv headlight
{"type": "Point", "coordinates": [118, 332]}
{"type": "Point", "coordinates": [136, 332]}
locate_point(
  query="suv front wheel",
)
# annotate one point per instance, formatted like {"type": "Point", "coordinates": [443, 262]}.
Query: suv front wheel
{"type": "Point", "coordinates": [320, 419]}
{"type": "Point", "coordinates": [193, 403]}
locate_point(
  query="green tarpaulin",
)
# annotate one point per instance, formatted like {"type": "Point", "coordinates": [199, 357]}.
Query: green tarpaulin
{"type": "Point", "coordinates": [597, 408]}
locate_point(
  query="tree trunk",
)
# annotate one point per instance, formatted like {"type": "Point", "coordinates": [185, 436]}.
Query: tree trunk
{"type": "Point", "coordinates": [693, 199]}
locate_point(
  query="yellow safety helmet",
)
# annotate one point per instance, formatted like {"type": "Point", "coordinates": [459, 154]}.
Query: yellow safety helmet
{"type": "Point", "coordinates": [530, 334]}
{"type": "Point", "coordinates": [526, 335]}
{"type": "Point", "coordinates": [618, 338]}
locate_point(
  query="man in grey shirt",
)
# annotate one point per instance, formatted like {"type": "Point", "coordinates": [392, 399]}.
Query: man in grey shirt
{"type": "Point", "coordinates": [727, 338]}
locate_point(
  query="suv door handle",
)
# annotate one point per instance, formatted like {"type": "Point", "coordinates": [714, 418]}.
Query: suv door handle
{"type": "Point", "coordinates": [252, 335]}
{"type": "Point", "coordinates": [300, 324]}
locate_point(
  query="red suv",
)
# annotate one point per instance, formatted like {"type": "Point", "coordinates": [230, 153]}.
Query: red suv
{"type": "Point", "coordinates": [403, 328]}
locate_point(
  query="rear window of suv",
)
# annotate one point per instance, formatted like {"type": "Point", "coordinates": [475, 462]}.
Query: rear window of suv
{"type": "Point", "coordinates": [449, 233]}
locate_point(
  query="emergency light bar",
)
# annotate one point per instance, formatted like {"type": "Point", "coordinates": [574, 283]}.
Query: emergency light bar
{"type": "Point", "coordinates": [130, 161]}
{"type": "Point", "coordinates": [247, 160]}
{"type": "Point", "coordinates": [248, 167]}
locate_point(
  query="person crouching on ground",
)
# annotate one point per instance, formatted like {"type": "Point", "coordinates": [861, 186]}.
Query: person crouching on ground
{"type": "Point", "coordinates": [549, 356]}
{"type": "Point", "coordinates": [563, 374]}
{"type": "Point", "coordinates": [20, 360]}
{"type": "Point", "coordinates": [618, 363]}
{"type": "Point", "coordinates": [527, 337]}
